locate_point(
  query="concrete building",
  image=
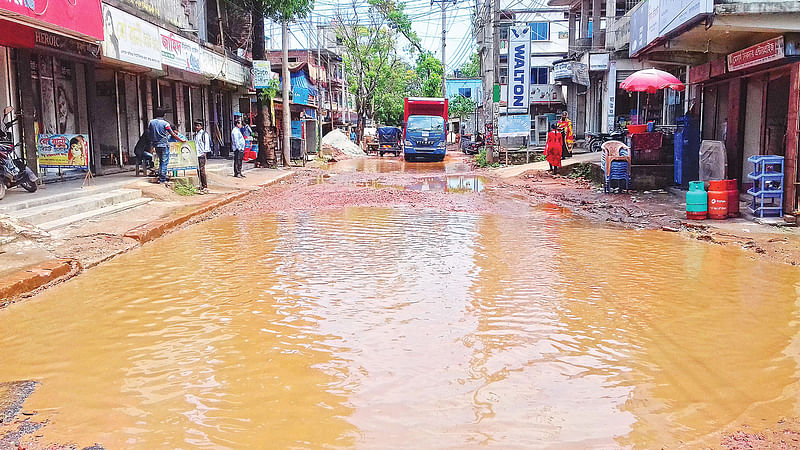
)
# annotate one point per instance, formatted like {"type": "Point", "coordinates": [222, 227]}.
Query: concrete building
{"type": "Point", "coordinates": [96, 73]}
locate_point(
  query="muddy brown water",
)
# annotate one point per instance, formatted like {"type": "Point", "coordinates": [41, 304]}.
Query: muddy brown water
{"type": "Point", "coordinates": [401, 328]}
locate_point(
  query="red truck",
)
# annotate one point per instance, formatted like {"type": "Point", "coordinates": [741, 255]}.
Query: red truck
{"type": "Point", "coordinates": [425, 134]}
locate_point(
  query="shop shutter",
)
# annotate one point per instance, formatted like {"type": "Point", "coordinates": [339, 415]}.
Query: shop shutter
{"type": "Point", "coordinates": [622, 74]}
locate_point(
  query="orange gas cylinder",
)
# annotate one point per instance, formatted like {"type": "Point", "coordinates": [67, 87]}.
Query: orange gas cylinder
{"type": "Point", "coordinates": [733, 198]}
{"type": "Point", "coordinates": [717, 199]}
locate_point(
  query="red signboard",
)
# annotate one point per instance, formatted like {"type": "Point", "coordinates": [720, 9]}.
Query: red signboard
{"type": "Point", "coordinates": [764, 52]}
{"type": "Point", "coordinates": [78, 16]}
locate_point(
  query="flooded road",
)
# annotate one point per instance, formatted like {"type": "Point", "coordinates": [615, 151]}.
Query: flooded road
{"type": "Point", "coordinates": [402, 327]}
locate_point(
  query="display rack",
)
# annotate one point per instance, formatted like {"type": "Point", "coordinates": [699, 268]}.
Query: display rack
{"type": "Point", "coordinates": [767, 190]}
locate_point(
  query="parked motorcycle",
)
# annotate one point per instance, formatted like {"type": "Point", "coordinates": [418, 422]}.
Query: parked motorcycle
{"type": "Point", "coordinates": [597, 139]}
{"type": "Point", "coordinates": [13, 171]}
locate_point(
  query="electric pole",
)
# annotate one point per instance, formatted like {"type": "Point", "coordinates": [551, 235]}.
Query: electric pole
{"type": "Point", "coordinates": [495, 77]}
{"type": "Point", "coordinates": [444, 44]}
{"type": "Point", "coordinates": [319, 88]}
{"type": "Point", "coordinates": [286, 104]}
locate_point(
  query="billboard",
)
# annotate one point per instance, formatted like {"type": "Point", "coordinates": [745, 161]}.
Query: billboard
{"type": "Point", "coordinates": [182, 156]}
{"type": "Point", "coordinates": [130, 39]}
{"type": "Point", "coordinates": [519, 69]}
{"type": "Point", "coordinates": [514, 125]}
{"type": "Point", "coordinates": [63, 151]}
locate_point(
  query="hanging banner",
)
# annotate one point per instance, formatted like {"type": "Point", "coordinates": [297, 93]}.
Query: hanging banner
{"type": "Point", "coordinates": [179, 52]}
{"type": "Point", "coordinates": [519, 69]}
{"type": "Point", "coordinates": [514, 125]}
{"type": "Point", "coordinates": [63, 151]}
{"type": "Point", "coordinates": [130, 39]}
{"type": "Point", "coordinates": [262, 74]}
{"type": "Point", "coordinates": [612, 96]}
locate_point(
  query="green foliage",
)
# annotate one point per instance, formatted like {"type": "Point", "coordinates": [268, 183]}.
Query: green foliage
{"type": "Point", "coordinates": [429, 71]}
{"type": "Point", "coordinates": [480, 157]}
{"type": "Point", "coordinates": [582, 170]}
{"type": "Point", "coordinates": [471, 68]}
{"type": "Point", "coordinates": [276, 10]}
{"type": "Point", "coordinates": [271, 91]}
{"type": "Point", "coordinates": [394, 14]}
{"type": "Point", "coordinates": [391, 92]}
{"type": "Point", "coordinates": [183, 186]}
{"type": "Point", "coordinates": [460, 107]}
{"type": "Point", "coordinates": [539, 157]}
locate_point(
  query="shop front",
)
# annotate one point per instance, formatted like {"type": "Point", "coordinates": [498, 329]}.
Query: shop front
{"type": "Point", "coordinates": [749, 102]}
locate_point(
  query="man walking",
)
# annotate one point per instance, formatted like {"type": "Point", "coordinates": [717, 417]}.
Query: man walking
{"type": "Point", "coordinates": [237, 145]}
{"type": "Point", "coordinates": [202, 142]}
{"type": "Point", "coordinates": [159, 131]}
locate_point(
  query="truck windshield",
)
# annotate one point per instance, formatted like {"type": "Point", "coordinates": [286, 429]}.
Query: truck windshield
{"type": "Point", "coordinates": [431, 123]}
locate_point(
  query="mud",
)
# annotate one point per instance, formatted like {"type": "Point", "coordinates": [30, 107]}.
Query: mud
{"type": "Point", "coordinates": [656, 210]}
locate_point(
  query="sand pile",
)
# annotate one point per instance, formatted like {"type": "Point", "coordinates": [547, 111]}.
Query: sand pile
{"type": "Point", "coordinates": [340, 141]}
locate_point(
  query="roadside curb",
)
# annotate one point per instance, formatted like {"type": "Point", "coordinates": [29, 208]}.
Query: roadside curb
{"type": "Point", "coordinates": [150, 231]}
{"type": "Point", "coordinates": [27, 281]}
{"type": "Point", "coordinates": [34, 277]}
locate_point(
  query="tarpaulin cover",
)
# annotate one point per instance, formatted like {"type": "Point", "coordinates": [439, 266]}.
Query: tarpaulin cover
{"type": "Point", "coordinates": [713, 160]}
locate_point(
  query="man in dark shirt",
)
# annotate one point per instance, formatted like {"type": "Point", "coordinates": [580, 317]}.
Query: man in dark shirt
{"type": "Point", "coordinates": [159, 132]}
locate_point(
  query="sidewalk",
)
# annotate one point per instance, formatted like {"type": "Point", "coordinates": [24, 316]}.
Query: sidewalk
{"type": "Point", "coordinates": [95, 240]}
{"type": "Point", "coordinates": [577, 158]}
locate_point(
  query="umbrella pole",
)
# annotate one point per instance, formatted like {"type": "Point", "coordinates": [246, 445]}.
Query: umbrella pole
{"type": "Point", "coordinates": [638, 109]}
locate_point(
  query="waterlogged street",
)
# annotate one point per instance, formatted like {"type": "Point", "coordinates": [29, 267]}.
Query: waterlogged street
{"type": "Point", "coordinates": [383, 304]}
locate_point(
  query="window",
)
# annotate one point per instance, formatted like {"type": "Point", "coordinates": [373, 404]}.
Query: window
{"type": "Point", "coordinates": [540, 31]}
{"type": "Point", "coordinates": [465, 92]}
{"type": "Point", "coordinates": [540, 75]}
{"type": "Point", "coordinates": [504, 71]}
{"type": "Point", "coordinates": [504, 32]}
{"type": "Point", "coordinates": [292, 59]}
{"type": "Point", "coordinates": [503, 59]}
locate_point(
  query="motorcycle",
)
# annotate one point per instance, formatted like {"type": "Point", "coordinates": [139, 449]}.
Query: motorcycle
{"type": "Point", "coordinates": [597, 139]}
{"type": "Point", "coordinates": [13, 171]}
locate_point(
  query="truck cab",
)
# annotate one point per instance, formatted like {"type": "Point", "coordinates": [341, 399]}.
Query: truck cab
{"type": "Point", "coordinates": [425, 134]}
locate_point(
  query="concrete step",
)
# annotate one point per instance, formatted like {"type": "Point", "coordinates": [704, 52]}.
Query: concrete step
{"type": "Point", "coordinates": [42, 197]}
{"type": "Point", "coordinates": [117, 207]}
{"type": "Point", "coordinates": [73, 206]}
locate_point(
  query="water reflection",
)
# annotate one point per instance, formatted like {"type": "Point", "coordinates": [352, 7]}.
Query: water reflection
{"type": "Point", "coordinates": [451, 164]}
{"type": "Point", "coordinates": [457, 184]}
{"type": "Point", "coordinates": [379, 326]}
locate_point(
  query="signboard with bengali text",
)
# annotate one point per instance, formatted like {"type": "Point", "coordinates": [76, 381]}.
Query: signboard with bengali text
{"type": "Point", "coordinates": [764, 52]}
{"type": "Point", "coordinates": [514, 125]}
{"type": "Point", "coordinates": [182, 156]}
{"type": "Point", "coordinates": [63, 151]}
{"type": "Point", "coordinates": [179, 52]}
{"type": "Point", "coordinates": [262, 74]}
{"type": "Point", "coordinates": [130, 39]}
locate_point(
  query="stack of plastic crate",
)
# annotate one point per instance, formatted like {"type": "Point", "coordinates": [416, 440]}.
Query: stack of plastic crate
{"type": "Point", "coordinates": [767, 190]}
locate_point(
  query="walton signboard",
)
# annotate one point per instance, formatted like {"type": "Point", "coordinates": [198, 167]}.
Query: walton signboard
{"type": "Point", "coordinates": [519, 62]}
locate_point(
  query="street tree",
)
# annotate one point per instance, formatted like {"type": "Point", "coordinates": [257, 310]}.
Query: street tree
{"type": "Point", "coordinates": [460, 107]}
{"type": "Point", "coordinates": [370, 56]}
{"type": "Point", "coordinates": [393, 87]}
{"type": "Point", "coordinates": [472, 67]}
{"type": "Point", "coordinates": [283, 12]}
{"type": "Point", "coordinates": [429, 70]}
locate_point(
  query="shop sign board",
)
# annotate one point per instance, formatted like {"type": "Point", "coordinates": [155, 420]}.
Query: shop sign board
{"type": "Point", "coordinates": [673, 14]}
{"type": "Point", "coordinates": [182, 156]}
{"type": "Point", "coordinates": [771, 50]}
{"type": "Point", "coordinates": [215, 66]}
{"type": "Point", "coordinates": [130, 39]}
{"type": "Point", "coordinates": [179, 52]}
{"type": "Point", "coordinates": [262, 74]}
{"type": "Point", "coordinates": [638, 27]}
{"type": "Point", "coordinates": [546, 93]}
{"type": "Point", "coordinates": [612, 96]}
{"type": "Point", "coordinates": [63, 151]}
{"type": "Point", "coordinates": [598, 61]}
{"type": "Point", "coordinates": [58, 42]}
{"type": "Point", "coordinates": [514, 125]}
{"type": "Point", "coordinates": [519, 62]}
{"type": "Point", "coordinates": [562, 70]}
{"type": "Point", "coordinates": [78, 16]}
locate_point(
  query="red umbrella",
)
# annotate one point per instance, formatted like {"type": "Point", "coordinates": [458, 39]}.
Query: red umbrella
{"type": "Point", "coordinates": [650, 81]}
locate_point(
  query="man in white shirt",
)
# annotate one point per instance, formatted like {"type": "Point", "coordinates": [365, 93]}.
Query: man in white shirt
{"type": "Point", "coordinates": [202, 142]}
{"type": "Point", "coordinates": [237, 145]}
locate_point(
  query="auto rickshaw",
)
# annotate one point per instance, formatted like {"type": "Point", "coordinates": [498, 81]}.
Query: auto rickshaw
{"type": "Point", "coordinates": [389, 140]}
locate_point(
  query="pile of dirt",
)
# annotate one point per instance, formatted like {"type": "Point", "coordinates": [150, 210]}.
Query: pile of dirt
{"type": "Point", "coordinates": [340, 141]}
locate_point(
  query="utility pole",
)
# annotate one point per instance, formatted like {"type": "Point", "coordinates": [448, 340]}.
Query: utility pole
{"type": "Point", "coordinates": [495, 110]}
{"type": "Point", "coordinates": [319, 88]}
{"type": "Point", "coordinates": [286, 105]}
{"type": "Point", "coordinates": [444, 55]}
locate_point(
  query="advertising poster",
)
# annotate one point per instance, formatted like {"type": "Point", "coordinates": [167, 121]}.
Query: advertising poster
{"type": "Point", "coordinates": [179, 52]}
{"type": "Point", "coordinates": [519, 69]}
{"type": "Point", "coordinates": [182, 156]}
{"type": "Point", "coordinates": [514, 125]}
{"type": "Point", "coordinates": [262, 74]}
{"type": "Point", "coordinates": [130, 39]}
{"type": "Point", "coordinates": [64, 151]}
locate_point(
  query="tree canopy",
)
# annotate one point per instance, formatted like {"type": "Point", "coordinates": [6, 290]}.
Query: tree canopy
{"type": "Point", "coordinates": [460, 106]}
{"type": "Point", "coordinates": [429, 71]}
{"type": "Point", "coordinates": [472, 67]}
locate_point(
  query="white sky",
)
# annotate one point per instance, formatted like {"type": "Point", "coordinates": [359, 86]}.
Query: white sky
{"type": "Point", "coordinates": [426, 19]}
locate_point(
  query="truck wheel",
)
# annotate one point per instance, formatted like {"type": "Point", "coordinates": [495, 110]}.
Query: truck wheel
{"type": "Point", "coordinates": [408, 157]}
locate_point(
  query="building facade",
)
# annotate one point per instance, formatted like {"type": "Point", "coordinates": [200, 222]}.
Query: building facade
{"type": "Point", "coordinates": [94, 73]}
